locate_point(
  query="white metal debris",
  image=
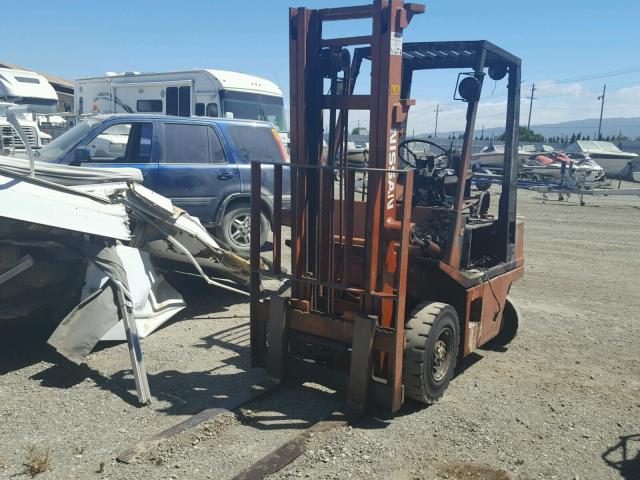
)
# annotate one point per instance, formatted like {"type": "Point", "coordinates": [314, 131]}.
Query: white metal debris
{"type": "Point", "coordinates": [93, 236]}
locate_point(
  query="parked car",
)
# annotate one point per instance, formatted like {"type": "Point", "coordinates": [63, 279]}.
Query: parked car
{"type": "Point", "coordinates": [202, 164]}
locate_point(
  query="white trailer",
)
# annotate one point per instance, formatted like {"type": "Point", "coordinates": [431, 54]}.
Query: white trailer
{"type": "Point", "coordinates": [211, 93]}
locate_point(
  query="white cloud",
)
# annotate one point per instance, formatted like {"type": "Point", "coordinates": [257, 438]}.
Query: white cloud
{"type": "Point", "coordinates": [573, 102]}
{"type": "Point", "coordinates": [553, 104]}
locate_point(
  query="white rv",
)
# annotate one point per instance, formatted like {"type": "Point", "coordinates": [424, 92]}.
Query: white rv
{"type": "Point", "coordinates": [27, 95]}
{"type": "Point", "coordinates": [211, 93]}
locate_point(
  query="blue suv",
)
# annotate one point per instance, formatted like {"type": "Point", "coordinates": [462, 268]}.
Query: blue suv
{"type": "Point", "coordinates": [202, 164]}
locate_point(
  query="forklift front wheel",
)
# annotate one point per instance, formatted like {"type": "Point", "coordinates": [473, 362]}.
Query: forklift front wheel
{"type": "Point", "coordinates": [432, 337]}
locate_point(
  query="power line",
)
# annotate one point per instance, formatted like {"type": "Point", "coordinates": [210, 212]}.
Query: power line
{"type": "Point", "coordinates": [596, 76]}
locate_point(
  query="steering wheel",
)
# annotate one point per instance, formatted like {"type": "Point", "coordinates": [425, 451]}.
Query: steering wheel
{"type": "Point", "coordinates": [413, 156]}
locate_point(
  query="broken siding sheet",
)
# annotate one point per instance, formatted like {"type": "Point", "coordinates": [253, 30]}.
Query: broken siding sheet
{"type": "Point", "coordinates": [34, 201]}
{"type": "Point", "coordinates": [85, 243]}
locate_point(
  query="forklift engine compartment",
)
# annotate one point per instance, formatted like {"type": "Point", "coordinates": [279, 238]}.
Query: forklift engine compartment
{"type": "Point", "coordinates": [397, 268]}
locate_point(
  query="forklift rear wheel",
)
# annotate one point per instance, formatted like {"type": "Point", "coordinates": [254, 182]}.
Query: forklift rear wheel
{"type": "Point", "coordinates": [432, 337]}
{"type": "Point", "coordinates": [509, 327]}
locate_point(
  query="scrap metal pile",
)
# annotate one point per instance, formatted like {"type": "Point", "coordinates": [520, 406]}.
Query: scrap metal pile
{"type": "Point", "coordinates": [79, 247]}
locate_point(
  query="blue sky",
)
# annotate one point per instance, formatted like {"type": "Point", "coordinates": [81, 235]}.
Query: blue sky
{"type": "Point", "coordinates": [556, 39]}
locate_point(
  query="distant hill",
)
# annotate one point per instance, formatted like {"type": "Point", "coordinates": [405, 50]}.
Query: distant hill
{"type": "Point", "coordinates": [630, 127]}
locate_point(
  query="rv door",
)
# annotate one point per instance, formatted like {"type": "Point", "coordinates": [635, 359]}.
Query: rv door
{"type": "Point", "coordinates": [179, 101]}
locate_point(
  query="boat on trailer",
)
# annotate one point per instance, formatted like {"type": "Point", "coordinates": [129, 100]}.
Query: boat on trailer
{"type": "Point", "coordinates": [615, 162]}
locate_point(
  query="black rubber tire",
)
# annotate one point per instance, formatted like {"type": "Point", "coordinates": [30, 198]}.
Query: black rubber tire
{"type": "Point", "coordinates": [224, 230]}
{"type": "Point", "coordinates": [510, 324]}
{"type": "Point", "coordinates": [428, 322]}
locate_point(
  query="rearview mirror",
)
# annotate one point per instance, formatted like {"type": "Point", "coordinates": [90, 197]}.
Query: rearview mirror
{"type": "Point", "coordinates": [81, 155]}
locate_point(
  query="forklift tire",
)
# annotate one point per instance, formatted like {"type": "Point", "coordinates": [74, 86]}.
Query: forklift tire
{"type": "Point", "coordinates": [432, 336]}
{"type": "Point", "coordinates": [510, 323]}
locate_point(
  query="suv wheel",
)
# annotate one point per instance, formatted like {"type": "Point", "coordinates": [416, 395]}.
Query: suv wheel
{"type": "Point", "coordinates": [235, 229]}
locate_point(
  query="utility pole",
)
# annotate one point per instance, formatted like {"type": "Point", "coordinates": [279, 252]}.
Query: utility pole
{"type": "Point", "coordinates": [435, 131]}
{"type": "Point", "coordinates": [531, 99]}
{"type": "Point", "coordinates": [601, 98]}
{"type": "Point", "coordinates": [482, 134]}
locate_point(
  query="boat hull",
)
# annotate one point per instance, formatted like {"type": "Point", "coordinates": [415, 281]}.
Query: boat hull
{"type": "Point", "coordinates": [494, 160]}
{"type": "Point", "coordinates": [614, 166]}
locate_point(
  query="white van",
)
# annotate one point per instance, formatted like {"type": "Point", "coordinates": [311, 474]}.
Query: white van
{"type": "Point", "coordinates": [210, 93]}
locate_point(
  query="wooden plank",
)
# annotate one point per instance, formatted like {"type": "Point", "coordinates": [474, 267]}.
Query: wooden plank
{"type": "Point", "coordinates": [255, 392]}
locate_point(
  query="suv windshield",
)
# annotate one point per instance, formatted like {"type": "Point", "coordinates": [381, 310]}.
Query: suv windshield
{"type": "Point", "coordinates": [253, 106]}
{"type": "Point", "coordinates": [61, 145]}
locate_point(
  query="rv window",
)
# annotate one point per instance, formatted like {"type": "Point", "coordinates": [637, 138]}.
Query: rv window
{"type": "Point", "coordinates": [123, 143]}
{"type": "Point", "coordinates": [185, 143]}
{"type": "Point", "coordinates": [254, 107]}
{"type": "Point", "coordinates": [212, 110]}
{"type": "Point", "coordinates": [27, 80]}
{"type": "Point", "coordinates": [185, 101]}
{"type": "Point", "coordinates": [215, 148]}
{"type": "Point", "coordinates": [255, 143]}
{"type": "Point", "coordinates": [149, 106]}
{"type": "Point", "coordinates": [172, 100]}
{"type": "Point", "coordinates": [199, 109]}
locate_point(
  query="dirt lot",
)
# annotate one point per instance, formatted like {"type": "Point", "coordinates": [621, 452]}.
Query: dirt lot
{"type": "Point", "coordinates": [563, 401]}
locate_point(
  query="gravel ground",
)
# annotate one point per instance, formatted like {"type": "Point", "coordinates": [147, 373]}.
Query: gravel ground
{"type": "Point", "coordinates": [563, 401]}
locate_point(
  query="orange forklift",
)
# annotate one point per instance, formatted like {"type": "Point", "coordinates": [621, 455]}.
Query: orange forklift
{"type": "Point", "coordinates": [400, 267]}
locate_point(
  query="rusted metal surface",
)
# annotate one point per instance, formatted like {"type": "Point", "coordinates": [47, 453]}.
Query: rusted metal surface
{"type": "Point", "coordinates": [364, 330]}
{"type": "Point", "coordinates": [346, 13]}
{"type": "Point", "coordinates": [258, 340]}
{"type": "Point", "coordinates": [403, 252]}
{"type": "Point", "coordinates": [277, 218]}
{"type": "Point", "coordinates": [357, 258]}
{"type": "Point", "coordinates": [299, 19]}
{"type": "Point", "coordinates": [327, 274]}
{"type": "Point", "coordinates": [507, 207]}
{"type": "Point", "coordinates": [277, 337]}
{"type": "Point", "coordinates": [454, 251]}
